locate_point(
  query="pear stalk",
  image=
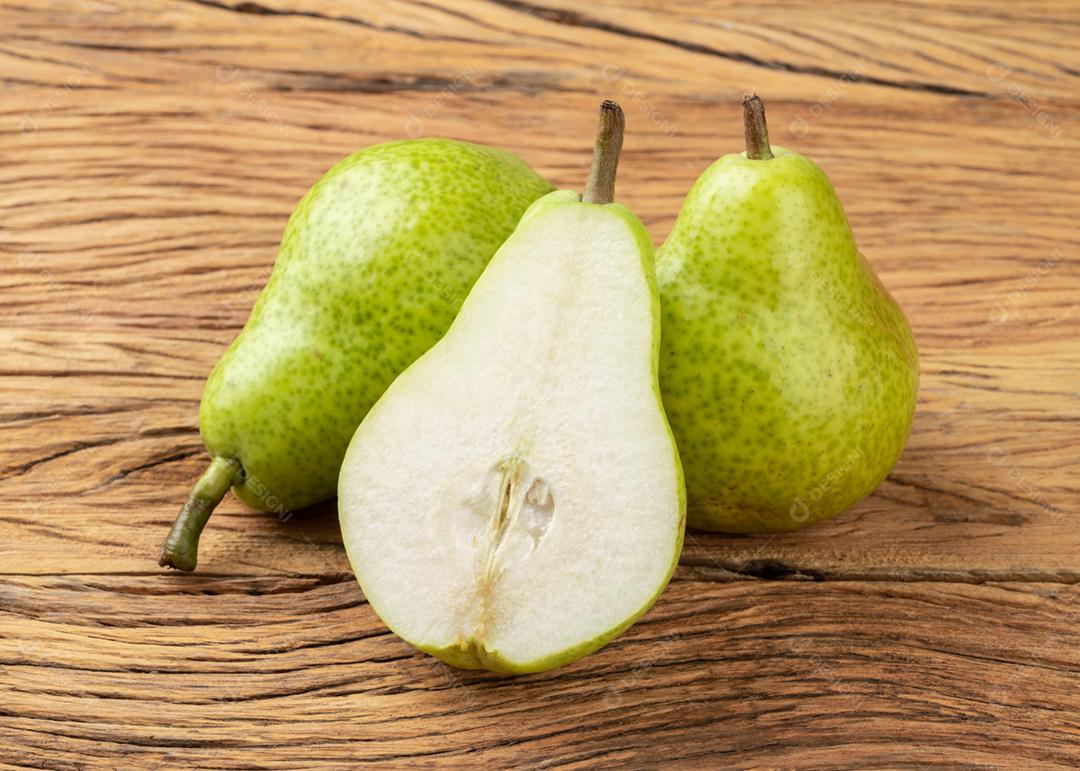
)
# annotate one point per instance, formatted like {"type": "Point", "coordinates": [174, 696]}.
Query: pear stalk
{"type": "Point", "coordinates": [181, 548]}
{"type": "Point", "coordinates": [609, 137]}
{"type": "Point", "coordinates": [757, 131]}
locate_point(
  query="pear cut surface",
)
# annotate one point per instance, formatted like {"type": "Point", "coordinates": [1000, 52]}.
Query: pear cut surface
{"type": "Point", "coordinates": [515, 499]}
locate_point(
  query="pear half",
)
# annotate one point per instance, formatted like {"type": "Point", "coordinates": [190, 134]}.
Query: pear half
{"type": "Point", "coordinates": [515, 499]}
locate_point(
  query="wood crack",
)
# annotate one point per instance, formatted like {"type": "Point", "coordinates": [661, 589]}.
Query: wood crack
{"type": "Point", "coordinates": [724, 569]}
{"type": "Point", "coordinates": [577, 19]}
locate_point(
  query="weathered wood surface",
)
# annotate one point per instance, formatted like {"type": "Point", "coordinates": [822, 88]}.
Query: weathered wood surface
{"type": "Point", "coordinates": [149, 156]}
{"type": "Point", "coordinates": [287, 672]}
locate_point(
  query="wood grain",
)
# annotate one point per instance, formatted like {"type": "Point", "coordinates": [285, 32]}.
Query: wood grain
{"type": "Point", "coordinates": [150, 156]}
{"type": "Point", "coordinates": [105, 669]}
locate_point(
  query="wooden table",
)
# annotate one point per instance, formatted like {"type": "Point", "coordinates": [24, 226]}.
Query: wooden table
{"type": "Point", "coordinates": [150, 158]}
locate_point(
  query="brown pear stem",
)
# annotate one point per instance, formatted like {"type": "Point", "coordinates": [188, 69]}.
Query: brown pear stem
{"type": "Point", "coordinates": [601, 185]}
{"type": "Point", "coordinates": [181, 548]}
{"type": "Point", "coordinates": [757, 132]}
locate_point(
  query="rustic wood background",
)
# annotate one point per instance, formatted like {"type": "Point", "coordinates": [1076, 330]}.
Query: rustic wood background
{"type": "Point", "coordinates": [150, 157]}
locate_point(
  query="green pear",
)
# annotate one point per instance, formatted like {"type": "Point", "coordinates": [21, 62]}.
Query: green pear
{"type": "Point", "coordinates": [515, 500]}
{"type": "Point", "coordinates": [374, 264]}
{"type": "Point", "coordinates": [789, 373]}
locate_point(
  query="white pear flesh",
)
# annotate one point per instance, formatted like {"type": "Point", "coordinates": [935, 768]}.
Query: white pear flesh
{"type": "Point", "coordinates": [515, 499]}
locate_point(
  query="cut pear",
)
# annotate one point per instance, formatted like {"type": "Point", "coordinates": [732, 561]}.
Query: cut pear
{"type": "Point", "coordinates": [515, 499]}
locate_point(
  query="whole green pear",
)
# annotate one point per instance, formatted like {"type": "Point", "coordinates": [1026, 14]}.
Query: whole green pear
{"type": "Point", "coordinates": [788, 372]}
{"type": "Point", "coordinates": [373, 266]}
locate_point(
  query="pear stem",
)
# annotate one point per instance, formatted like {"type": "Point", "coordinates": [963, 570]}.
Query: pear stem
{"type": "Point", "coordinates": [757, 132]}
{"type": "Point", "coordinates": [609, 136]}
{"type": "Point", "coordinates": [181, 548]}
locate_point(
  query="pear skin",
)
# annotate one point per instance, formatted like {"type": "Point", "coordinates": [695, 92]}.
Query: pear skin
{"type": "Point", "coordinates": [789, 373]}
{"type": "Point", "coordinates": [373, 266]}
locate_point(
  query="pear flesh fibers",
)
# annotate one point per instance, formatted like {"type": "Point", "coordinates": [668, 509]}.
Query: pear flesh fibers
{"type": "Point", "coordinates": [515, 499]}
{"type": "Point", "coordinates": [374, 263]}
{"type": "Point", "coordinates": [789, 373]}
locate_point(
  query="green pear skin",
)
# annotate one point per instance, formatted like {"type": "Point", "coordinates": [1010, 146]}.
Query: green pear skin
{"type": "Point", "coordinates": [789, 373]}
{"type": "Point", "coordinates": [374, 263]}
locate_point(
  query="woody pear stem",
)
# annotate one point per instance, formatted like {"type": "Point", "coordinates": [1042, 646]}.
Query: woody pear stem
{"type": "Point", "coordinates": [757, 132]}
{"type": "Point", "coordinates": [601, 185]}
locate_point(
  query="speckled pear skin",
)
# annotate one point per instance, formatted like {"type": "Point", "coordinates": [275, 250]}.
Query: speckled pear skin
{"type": "Point", "coordinates": [788, 372]}
{"type": "Point", "coordinates": [374, 264]}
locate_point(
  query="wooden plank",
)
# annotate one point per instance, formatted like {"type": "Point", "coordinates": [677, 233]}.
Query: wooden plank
{"type": "Point", "coordinates": [276, 673]}
{"type": "Point", "coordinates": [526, 46]}
{"type": "Point", "coordinates": [101, 461]}
{"type": "Point", "coordinates": [149, 158]}
{"type": "Point", "coordinates": [157, 268]}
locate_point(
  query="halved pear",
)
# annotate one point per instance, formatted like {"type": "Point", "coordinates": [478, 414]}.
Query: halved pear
{"type": "Point", "coordinates": [515, 499]}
